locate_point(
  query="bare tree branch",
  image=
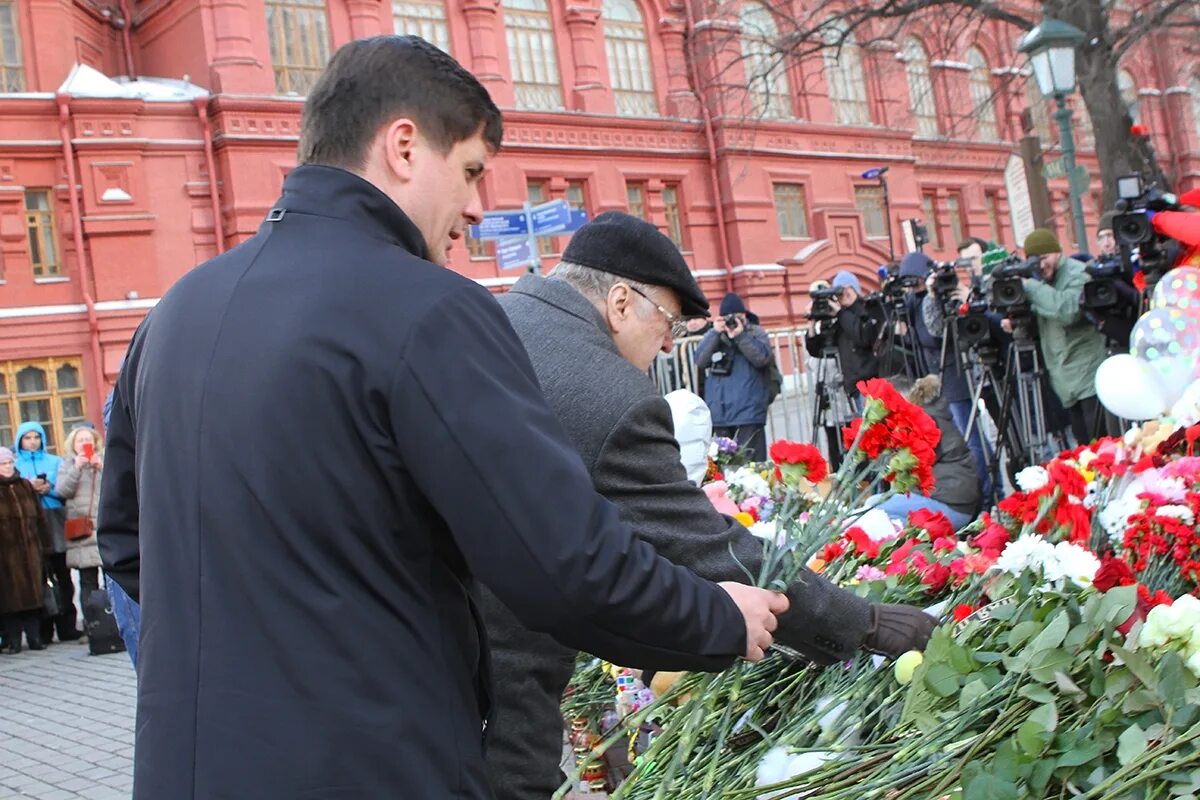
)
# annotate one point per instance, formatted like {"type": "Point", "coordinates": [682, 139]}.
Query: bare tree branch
{"type": "Point", "coordinates": [1147, 21]}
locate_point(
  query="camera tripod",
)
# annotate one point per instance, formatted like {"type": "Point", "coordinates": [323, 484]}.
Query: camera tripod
{"type": "Point", "coordinates": [1022, 438]}
{"type": "Point", "coordinates": [890, 346]}
{"type": "Point", "coordinates": [831, 404]}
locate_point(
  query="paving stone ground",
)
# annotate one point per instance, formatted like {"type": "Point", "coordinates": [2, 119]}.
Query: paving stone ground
{"type": "Point", "coordinates": [66, 725]}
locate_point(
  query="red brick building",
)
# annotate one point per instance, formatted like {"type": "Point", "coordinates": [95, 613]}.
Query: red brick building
{"type": "Point", "coordinates": [111, 189]}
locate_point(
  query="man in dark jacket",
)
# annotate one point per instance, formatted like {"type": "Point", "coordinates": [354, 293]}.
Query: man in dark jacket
{"type": "Point", "coordinates": [736, 356]}
{"type": "Point", "coordinates": [304, 451]}
{"type": "Point", "coordinates": [855, 332]}
{"type": "Point", "coordinates": [592, 329]}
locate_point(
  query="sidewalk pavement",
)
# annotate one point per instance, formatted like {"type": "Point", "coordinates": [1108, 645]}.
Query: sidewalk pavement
{"type": "Point", "coordinates": [66, 724]}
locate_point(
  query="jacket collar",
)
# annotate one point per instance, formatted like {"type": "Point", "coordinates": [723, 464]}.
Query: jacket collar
{"type": "Point", "coordinates": [565, 298]}
{"type": "Point", "coordinates": [326, 191]}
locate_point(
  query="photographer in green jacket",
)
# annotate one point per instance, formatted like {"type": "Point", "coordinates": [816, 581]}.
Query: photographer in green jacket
{"type": "Point", "coordinates": [1072, 349]}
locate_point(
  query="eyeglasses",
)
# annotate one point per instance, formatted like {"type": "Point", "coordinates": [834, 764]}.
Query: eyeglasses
{"type": "Point", "coordinates": [678, 324]}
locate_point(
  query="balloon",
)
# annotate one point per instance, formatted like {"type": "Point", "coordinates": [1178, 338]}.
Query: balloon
{"type": "Point", "coordinates": [1163, 333]}
{"type": "Point", "coordinates": [1186, 410]}
{"type": "Point", "coordinates": [1129, 388]}
{"type": "Point", "coordinates": [1179, 288]}
{"type": "Point", "coordinates": [1174, 375]}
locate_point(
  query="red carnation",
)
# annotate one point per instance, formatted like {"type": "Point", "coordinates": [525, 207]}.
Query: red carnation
{"type": "Point", "coordinates": [932, 522]}
{"type": "Point", "coordinates": [935, 576]}
{"type": "Point", "coordinates": [1113, 572]}
{"type": "Point", "coordinates": [862, 542]}
{"type": "Point", "coordinates": [994, 537]}
{"type": "Point", "coordinates": [1067, 478]}
{"type": "Point", "coordinates": [832, 551]}
{"type": "Point", "coordinates": [962, 611]}
{"type": "Point", "coordinates": [804, 460]}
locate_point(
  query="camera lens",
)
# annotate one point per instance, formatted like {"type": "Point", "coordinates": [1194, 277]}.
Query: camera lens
{"type": "Point", "coordinates": [1131, 229]}
{"type": "Point", "coordinates": [972, 329]}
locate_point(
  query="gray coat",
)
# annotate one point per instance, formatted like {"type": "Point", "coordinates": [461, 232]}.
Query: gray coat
{"type": "Point", "coordinates": [80, 490]}
{"type": "Point", "coordinates": [622, 428]}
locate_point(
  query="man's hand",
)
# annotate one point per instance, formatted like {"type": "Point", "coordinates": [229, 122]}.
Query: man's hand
{"type": "Point", "coordinates": [962, 293]}
{"type": "Point", "coordinates": [896, 629]}
{"type": "Point", "coordinates": [901, 328]}
{"type": "Point", "coordinates": [735, 328]}
{"type": "Point", "coordinates": [719, 325]}
{"type": "Point", "coordinates": [759, 608]}
{"type": "Point", "coordinates": [1006, 325]}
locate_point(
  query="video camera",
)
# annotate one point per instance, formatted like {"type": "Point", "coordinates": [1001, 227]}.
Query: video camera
{"type": "Point", "coordinates": [1005, 291]}
{"type": "Point", "coordinates": [822, 304]}
{"type": "Point", "coordinates": [1132, 227]}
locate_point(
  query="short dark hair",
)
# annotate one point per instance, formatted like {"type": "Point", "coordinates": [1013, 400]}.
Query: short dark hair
{"type": "Point", "coordinates": [370, 82]}
{"type": "Point", "coordinates": [970, 240]}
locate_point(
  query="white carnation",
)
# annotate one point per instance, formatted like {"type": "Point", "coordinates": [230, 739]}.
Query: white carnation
{"type": "Point", "coordinates": [767, 531]}
{"type": "Point", "coordinates": [749, 482]}
{"type": "Point", "coordinates": [1029, 551]}
{"type": "Point", "coordinates": [780, 765]}
{"type": "Point", "coordinates": [1033, 478]}
{"type": "Point", "coordinates": [878, 526]}
{"type": "Point", "coordinates": [1073, 562]}
{"type": "Point", "coordinates": [1182, 513]}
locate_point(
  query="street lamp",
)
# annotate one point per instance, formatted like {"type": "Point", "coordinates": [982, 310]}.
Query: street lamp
{"type": "Point", "coordinates": [1051, 50]}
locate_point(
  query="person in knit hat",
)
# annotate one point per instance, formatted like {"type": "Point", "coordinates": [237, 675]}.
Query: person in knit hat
{"type": "Point", "coordinates": [736, 355]}
{"type": "Point", "coordinates": [1106, 241]}
{"type": "Point", "coordinates": [854, 335]}
{"type": "Point", "coordinates": [1072, 349]}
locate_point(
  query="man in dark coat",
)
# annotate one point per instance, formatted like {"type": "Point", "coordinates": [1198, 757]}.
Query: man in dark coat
{"type": "Point", "coordinates": [320, 439]}
{"type": "Point", "coordinates": [855, 334]}
{"type": "Point", "coordinates": [592, 329]}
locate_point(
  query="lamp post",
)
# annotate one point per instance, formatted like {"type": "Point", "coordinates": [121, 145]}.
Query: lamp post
{"type": "Point", "coordinates": [1051, 50]}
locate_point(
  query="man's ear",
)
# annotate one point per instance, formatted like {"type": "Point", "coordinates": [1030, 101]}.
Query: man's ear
{"type": "Point", "coordinates": [619, 301]}
{"type": "Point", "coordinates": [400, 140]}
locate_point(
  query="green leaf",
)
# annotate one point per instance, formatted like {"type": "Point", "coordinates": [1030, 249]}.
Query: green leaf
{"type": "Point", "coordinates": [1078, 637]}
{"type": "Point", "coordinates": [1137, 664]}
{"type": "Point", "coordinates": [1047, 716]}
{"type": "Point", "coordinates": [971, 694]}
{"type": "Point", "coordinates": [1021, 633]}
{"type": "Point", "coordinates": [961, 660]}
{"type": "Point", "coordinates": [1081, 754]}
{"type": "Point", "coordinates": [1032, 738]}
{"type": "Point", "coordinates": [1066, 685]}
{"type": "Point", "coordinates": [1044, 665]}
{"type": "Point", "coordinates": [1052, 635]}
{"type": "Point", "coordinates": [1130, 744]}
{"type": "Point", "coordinates": [1038, 694]}
{"type": "Point", "coordinates": [986, 656]}
{"type": "Point", "coordinates": [989, 787]}
{"type": "Point", "coordinates": [942, 680]}
{"type": "Point", "coordinates": [1040, 777]}
{"type": "Point", "coordinates": [1117, 604]}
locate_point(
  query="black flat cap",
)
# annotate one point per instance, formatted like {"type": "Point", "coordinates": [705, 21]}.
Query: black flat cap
{"type": "Point", "coordinates": [633, 248]}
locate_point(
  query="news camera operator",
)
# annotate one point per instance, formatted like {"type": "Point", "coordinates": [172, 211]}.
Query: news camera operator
{"type": "Point", "coordinates": [737, 355]}
{"type": "Point", "coordinates": [854, 332]}
{"type": "Point", "coordinates": [940, 294]}
{"type": "Point", "coordinates": [1072, 349]}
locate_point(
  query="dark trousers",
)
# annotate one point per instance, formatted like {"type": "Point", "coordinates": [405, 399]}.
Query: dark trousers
{"type": "Point", "coordinates": [65, 622]}
{"type": "Point", "coordinates": [89, 581]}
{"type": "Point", "coordinates": [751, 437]}
{"type": "Point", "coordinates": [1090, 420]}
{"type": "Point", "coordinates": [19, 622]}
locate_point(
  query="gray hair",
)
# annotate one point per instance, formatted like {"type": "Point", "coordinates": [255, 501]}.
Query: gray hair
{"type": "Point", "coordinates": [594, 284]}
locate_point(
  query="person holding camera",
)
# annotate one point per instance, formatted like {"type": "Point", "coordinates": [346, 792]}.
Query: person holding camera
{"type": "Point", "coordinates": [737, 354]}
{"type": "Point", "coordinates": [1106, 240]}
{"type": "Point", "coordinates": [1072, 349]}
{"type": "Point", "coordinates": [79, 485]}
{"type": "Point", "coordinates": [855, 332]}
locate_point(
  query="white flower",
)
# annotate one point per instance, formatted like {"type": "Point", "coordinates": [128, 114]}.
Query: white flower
{"type": "Point", "coordinates": [749, 482]}
{"type": "Point", "coordinates": [878, 526]}
{"type": "Point", "coordinates": [1030, 551]}
{"type": "Point", "coordinates": [780, 765]}
{"type": "Point", "coordinates": [767, 531]}
{"type": "Point", "coordinates": [1182, 513]}
{"type": "Point", "coordinates": [1073, 562]}
{"type": "Point", "coordinates": [1114, 515]}
{"type": "Point", "coordinates": [713, 450]}
{"type": "Point", "coordinates": [1033, 478]}
{"type": "Point", "coordinates": [1193, 663]}
{"type": "Point", "coordinates": [1180, 620]}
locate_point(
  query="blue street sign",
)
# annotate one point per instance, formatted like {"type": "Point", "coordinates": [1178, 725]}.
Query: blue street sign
{"type": "Point", "coordinates": [514, 253]}
{"type": "Point", "coordinates": [550, 217]}
{"type": "Point", "coordinates": [576, 221]}
{"type": "Point", "coordinates": [501, 225]}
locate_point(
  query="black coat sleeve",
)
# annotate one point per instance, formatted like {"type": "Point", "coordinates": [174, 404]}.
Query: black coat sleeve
{"type": "Point", "coordinates": [639, 469]}
{"type": "Point", "coordinates": [487, 452]}
{"type": "Point", "coordinates": [859, 327]}
{"type": "Point", "coordinates": [117, 523]}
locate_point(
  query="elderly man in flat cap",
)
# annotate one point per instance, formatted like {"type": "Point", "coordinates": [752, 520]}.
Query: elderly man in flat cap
{"type": "Point", "coordinates": [592, 329]}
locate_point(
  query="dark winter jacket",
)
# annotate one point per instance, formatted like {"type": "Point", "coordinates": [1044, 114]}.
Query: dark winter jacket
{"type": "Point", "coordinates": [956, 483]}
{"type": "Point", "coordinates": [623, 430]}
{"type": "Point", "coordinates": [23, 539]}
{"type": "Point", "coordinates": [855, 333]}
{"type": "Point", "coordinates": [739, 397]}
{"type": "Point", "coordinates": [318, 442]}
{"type": "Point", "coordinates": [934, 347]}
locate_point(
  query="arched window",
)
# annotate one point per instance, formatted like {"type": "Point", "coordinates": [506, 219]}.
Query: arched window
{"type": "Point", "coordinates": [12, 73]}
{"type": "Point", "coordinates": [531, 55]}
{"type": "Point", "coordinates": [766, 71]}
{"type": "Point", "coordinates": [1129, 93]}
{"type": "Point", "coordinates": [424, 18]}
{"type": "Point", "coordinates": [847, 81]}
{"type": "Point", "coordinates": [982, 102]}
{"type": "Point", "coordinates": [628, 54]}
{"type": "Point", "coordinates": [299, 38]}
{"type": "Point", "coordinates": [920, 88]}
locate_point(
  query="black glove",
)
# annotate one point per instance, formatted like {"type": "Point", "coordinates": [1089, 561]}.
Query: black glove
{"type": "Point", "coordinates": [896, 629]}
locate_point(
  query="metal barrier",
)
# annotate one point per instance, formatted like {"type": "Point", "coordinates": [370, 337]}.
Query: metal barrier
{"type": "Point", "coordinates": [790, 415]}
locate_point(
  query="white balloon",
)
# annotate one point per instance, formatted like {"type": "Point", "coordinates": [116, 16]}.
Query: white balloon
{"type": "Point", "coordinates": [1128, 387]}
{"type": "Point", "coordinates": [1174, 375]}
{"type": "Point", "coordinates": [1186, 410]}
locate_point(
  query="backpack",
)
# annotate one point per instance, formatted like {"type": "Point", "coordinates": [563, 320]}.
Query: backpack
{"type": "Point", "coordinates": [774, 379]}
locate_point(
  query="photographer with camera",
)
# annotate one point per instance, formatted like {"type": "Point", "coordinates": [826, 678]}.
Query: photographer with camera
{"type": "Point", "coordinates": [1071, 348]}
{"type": "Point", "coordinates": [737, 354]}
{"type": "Point", "coordinates": [1106, 241]}
{"type": "Point", "coordinates": [854, 332]}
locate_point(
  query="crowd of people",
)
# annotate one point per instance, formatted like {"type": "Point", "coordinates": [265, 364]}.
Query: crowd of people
{"type": "Point", "coordinates": [48, 509]}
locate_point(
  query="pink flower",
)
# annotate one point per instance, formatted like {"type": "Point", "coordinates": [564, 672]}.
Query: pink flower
{"type": "Point", "coordinates": [945, 543]}
{"type": "Point", "coordinates": [869, 573]}
{"type": "Point", "coordinates": [721, 502]}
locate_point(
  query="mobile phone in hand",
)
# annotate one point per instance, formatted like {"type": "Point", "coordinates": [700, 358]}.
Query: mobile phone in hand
{"type": "Point", "coordinates": [89, 450]}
